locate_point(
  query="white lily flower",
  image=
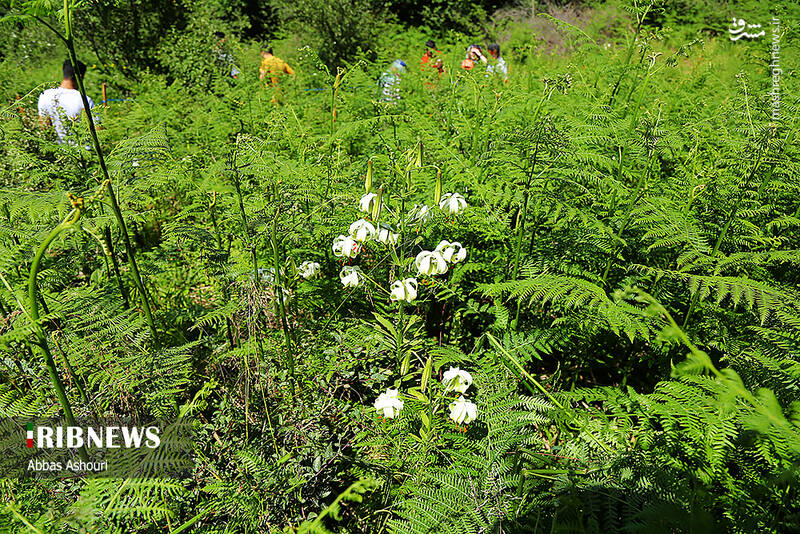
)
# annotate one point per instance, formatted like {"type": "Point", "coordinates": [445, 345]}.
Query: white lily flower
{"type": "Point", "coordinates": [458, 379]}
{"type": "Point", "coordinates": [431, 263]}
{"type": "Point", "coordinates": [345, 246]}
{"type": "Point", "coordinates": [367, 202]}
{"type": "Point", "coordinates": [452, 252]}
{"type": "Point", "coordinates": [362, 230]}
{"type": "Point", "coordinates": [389, 403]}
{"type": "Point", "coordinates": [351, 276]}
{"type": "Point", "coordinates": [420, 213]}
{"type": "Point", "coordinates": [387, 236]}
{"type": "Point", "coordinates": [267, 275]}
{"type": "Point", "coordinates": [308, 269]}
{"type": "Point", "coordinates": [404, 290]}
{"type": "Point", "coordinates": [452, 203]}
{"type": "Point", "coordinates": [463, 411]}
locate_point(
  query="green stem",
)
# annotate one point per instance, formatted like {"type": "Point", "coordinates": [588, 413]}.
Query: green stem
{"type": "Point", "coordinates": [72, 373]}
{"type": "Point", "coordinates": [33, 310]}
{"type": "Point", "coordinates": [639, 22]}
{"type": "Point", "coordinates": [115, 263]}
{"type": "Point", "coordinates": [402, 255]}
{"type": "Point", "coordinates": [256, 282]}
{"type": "Point", "coordinates": [279, 294]}
{"type": "Point", "coordinates": [724, 232]}
{"type": "Point", "coordinates": [137, 278]}
{"type": "Point", "coordinates": [225, 294]}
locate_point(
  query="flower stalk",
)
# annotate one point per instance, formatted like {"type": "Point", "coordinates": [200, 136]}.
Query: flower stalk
{"type": "Point", "coordinates": [129, 251]}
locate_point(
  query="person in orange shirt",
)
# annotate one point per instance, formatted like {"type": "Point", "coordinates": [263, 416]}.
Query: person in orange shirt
{"type": "Point", "coordinates": [273, 67]}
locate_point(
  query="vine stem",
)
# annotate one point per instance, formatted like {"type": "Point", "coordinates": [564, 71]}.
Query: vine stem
{"type": "Point", "coordinates": [33, 311]}
{"type": "Point", "coordinates": [137, 278]}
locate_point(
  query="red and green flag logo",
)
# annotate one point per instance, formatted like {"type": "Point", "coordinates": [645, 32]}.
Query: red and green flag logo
{"type": "Point", "coordinates": [30, 435]}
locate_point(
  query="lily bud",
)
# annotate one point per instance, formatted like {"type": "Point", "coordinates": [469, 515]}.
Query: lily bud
{"type": "Point", "coordinates": [404, 367]}
{"type": "Point", "coordinates": [376, 209]}
{"type": "Point", "coordinates": [418, 156]}
{"type": "Point", "coordinates": [368, 179]}
{"type": "Point", "coordinates": [437, 195]}
{"type": "Point", "coordinates": [426, 374]}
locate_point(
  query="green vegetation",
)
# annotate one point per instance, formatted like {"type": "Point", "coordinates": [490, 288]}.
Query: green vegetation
{"type": "Point", "coordinates": [621, 281]}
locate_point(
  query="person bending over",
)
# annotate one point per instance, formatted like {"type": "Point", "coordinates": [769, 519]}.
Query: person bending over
{"type": "Point", "coordinates": [429, 58]}
{"type": "Point", "coordinates": [498, 65]}
{"type": "Point", "coordinates": [273, 67]}
{"type": "Point", "coordinates": [62, 105]}
{"type": "Point", "coordinates": [474, 53]}
{"type": "Point", "coordinates": [224, 57]}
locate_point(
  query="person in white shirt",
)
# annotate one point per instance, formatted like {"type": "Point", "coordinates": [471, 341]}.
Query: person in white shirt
{"type": "Point", "coordinates": [63, 105]}
{"type": "Point", "coordinates": [499, 65]}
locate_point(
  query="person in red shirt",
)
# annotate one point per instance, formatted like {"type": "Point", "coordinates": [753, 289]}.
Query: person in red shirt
{"type": "Point", "coordinates": [429, 59]}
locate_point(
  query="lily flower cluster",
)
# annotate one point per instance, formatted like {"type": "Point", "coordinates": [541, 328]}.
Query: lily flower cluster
{"type": "Point", "coordinates": [438, 260]}
{"type": "Point", "coordinates": [361, 232]}
{"type": "Point", "coordinates": [450, 204]}
{"type": "Point", "coordinates": [349, 246]}
{"type": "Point", "coordinates": [428, 262]}
{"type": "Point", "coordinates": [462, 411]}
